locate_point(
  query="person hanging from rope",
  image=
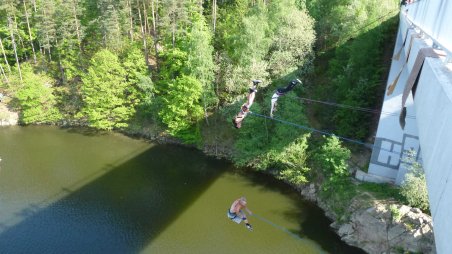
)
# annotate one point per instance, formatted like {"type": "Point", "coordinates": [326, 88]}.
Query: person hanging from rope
{"type": "Point", "coordinates": [280, 92]}
{"type": "Point", "coordinates": [236, 214]}
{"type": "Point", "coordinates": [237, 120]}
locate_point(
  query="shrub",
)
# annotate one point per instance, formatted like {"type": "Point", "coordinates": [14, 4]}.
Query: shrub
{"type": "Point", "coordinates": [414, 187]}
{"type": "Point", "coordinates": [332, 160]}
{"type": "Point", "coordinates": [395, 212]}
{"type": "Point", "coordinates": [293, 161]}
{"type": "Point", "coordinates": [36, 99]}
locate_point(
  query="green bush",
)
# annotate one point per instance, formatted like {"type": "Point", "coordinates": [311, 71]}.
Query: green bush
{"type": "Point", "coordinates": [181, 108]}
{"type": "Point", "coordinates": [292, 161]}
{"type": "Point", "coordinates": [332, 159]}
{"type": "Point", "coordinates": [36, 99]}
{"type": "Point", "coordinates": [414, 187]}
{"type": "Point", "coordinates": [107, 105]}
{"type": "Point", "coordinates": [395, 212]}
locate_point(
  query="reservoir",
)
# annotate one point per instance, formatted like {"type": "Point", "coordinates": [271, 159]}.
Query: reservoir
{"type": "Point", "coordinates": [81, 191]}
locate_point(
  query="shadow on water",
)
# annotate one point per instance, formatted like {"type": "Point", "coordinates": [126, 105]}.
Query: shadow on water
{"type": "Point", "coordinates": [313, 222]}
{"type": "Point", "coordinates": [86, 131]}
{"type": "Point", "coordinates": [120, 211]}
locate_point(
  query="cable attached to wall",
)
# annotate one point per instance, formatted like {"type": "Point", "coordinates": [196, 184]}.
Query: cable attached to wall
{"type": "Point", "coordinates": [368, 145]}
{"type": "Point", "coordinates": [368, 110]}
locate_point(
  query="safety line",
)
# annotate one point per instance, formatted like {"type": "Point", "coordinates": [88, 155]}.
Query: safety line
{"type": "Point", "coordinates": [352, 34]}
{"type": "Point", "coordinates": [353, 107]}
{"type": "Point", "coordinates": [278, 227]}
{"type": "Point", "coordinates": [315, 130]}
{"type": "Point", "coordinates": [368, 145]}
{"type": "Point", "coordinates": [375, 20]}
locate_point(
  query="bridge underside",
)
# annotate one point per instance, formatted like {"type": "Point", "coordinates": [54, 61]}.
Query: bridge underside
{"type": "Point", "coordinates": [428, 120]}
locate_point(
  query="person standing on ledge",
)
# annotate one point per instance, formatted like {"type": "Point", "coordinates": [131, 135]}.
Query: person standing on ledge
{"type": "Point", "coordinates": [236, 214]}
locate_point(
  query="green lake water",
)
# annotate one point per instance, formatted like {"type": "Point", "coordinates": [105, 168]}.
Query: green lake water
{"type": "Point", "coordinates": [78, 191]}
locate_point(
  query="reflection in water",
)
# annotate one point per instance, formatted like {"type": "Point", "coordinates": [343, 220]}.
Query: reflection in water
{"type": "Point", "coordinates": [68, 192]}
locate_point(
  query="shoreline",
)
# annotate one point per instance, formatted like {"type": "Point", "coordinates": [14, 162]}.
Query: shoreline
{"type": "Point", "coordinates": [370, 226]}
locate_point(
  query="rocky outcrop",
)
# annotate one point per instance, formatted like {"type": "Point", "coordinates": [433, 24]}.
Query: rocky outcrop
{"type": "Point", "coordinates": [376, 230]}
{"type": "Point", "coordinates": [382, 226]}
{"type": "Point", "coordinates": [7, 117]}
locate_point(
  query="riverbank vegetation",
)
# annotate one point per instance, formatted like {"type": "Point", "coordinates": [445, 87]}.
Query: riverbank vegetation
{"type": "Point", "coordinates": [182, 69]}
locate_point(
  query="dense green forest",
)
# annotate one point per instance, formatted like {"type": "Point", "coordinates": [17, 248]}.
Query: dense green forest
{"type": "Point", "coordinates": [182, 68]}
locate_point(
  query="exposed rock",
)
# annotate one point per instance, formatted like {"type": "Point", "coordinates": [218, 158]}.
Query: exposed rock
{"type": "Point", "coordinates": [395, 232]}
{"type": "Point", "coordinates": [7, 117]}
{"type": "Point", "coordinates": [345, 229]}
{"type": "Point", "coordinates": [309, 192]}
{"type": "Point", "coordinates": [376, 232]}
{"type": "Point", "coordinates": [405, 209]}
{"type": "Point", "coordinates": [335, 225]}
{"type": "Point", "coordinates": [416, 210]}
{"type": "Point", "coordinates": [372, 227]}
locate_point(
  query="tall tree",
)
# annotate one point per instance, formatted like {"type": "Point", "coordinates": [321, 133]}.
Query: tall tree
{"type": "Point", "coordinates": [130, 18]}
{"type": "Point", "coordinates": [69, 34]}
{"type": "Point", "coordinates": [182, 107]}
{"type": "Point", "coordinates": [214, 15]}
{"type": "Point", "coordinates": [5, 77]}
{"type": "Point", "coordinates": [155, 35]}
{"type": "Point", "coordinates": [36, 99]}
{"type": "Point", "coordinates": [10, 25]}
{"type": "Point", "coordinates": [174, 19]}
{"type": "Point", "coordinates": [8, 11]}
{"type": "Point", "coordinates": [4, 55]}
{"type": "Point", "coordinates": [29, 31]}
{"type": "Point", "coordinates": [34, 5]}
{"type": "Point", "coordinates": [75, 9]}
{"type": "Point", "coordinates": [110, 24]}
{"type": "Point", "coordinates": [106, 104]}
{"type": "Point", "coordinates": [140, 85]}
{"type": "Point", "coordinates": [200, 59]}
{"type": "Point", "coordinates": [292, 36]}
{"type": "Point", "coordinates": [46, 25]}
{"type": "Point", "coordinates": [143, 35]}
{"type": "Point", "coordinates": [245, 44]}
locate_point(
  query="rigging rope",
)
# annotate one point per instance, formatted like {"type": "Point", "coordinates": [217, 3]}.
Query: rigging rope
{"type": "Point", "coordinates": [353, 33]}
{"type": "Point", "coordinates": [368, 110]}
{"type": "Point", "coordinates": [313, 130]}
{"type": "Point", "coordinates": [368, 145]}
{"type": "Point", "coordinates": [278, 227]}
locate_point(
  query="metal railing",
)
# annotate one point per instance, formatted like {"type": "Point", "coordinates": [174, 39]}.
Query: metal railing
{"type": "Point", "coordinates": [424, 34]}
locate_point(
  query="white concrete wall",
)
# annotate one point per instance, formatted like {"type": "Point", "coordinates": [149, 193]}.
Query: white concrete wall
{"type": "Point", "coordinates": [432, 108]}
{"type": "Point", "coordinates": [434, 18]}
{"type": "Point", "coordinates": [391, 140]}
{"type": "Point", "coordinates": [433, 103]}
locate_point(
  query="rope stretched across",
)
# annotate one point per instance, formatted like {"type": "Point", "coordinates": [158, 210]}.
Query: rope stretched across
{"type": "Point", "coordinates": [278, 227]}
{"type": "Point", "coordinates": [368, 145]}
{"type": "Point", "coordinates": [313, 130]}
{"type": "Point", "coordinates": [368, 110]}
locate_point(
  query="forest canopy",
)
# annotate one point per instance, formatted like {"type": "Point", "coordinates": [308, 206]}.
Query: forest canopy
{"type": "Point", "coordinates": [107, 62]}
{"type": "Point", "coordinates": [184, 67]}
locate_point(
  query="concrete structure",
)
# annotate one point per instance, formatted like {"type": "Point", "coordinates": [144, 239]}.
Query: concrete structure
{"type": "Point", "coordinates": [428, 128]}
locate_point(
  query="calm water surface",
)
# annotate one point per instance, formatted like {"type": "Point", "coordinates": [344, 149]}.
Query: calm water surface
{"type": "Point", "coordinates": [75, 191]}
